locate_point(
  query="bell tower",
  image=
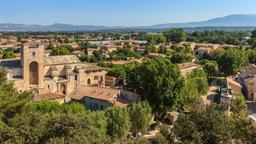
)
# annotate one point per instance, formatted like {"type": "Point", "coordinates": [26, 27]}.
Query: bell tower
{"type": "Point", "coordinates": [33, 66]}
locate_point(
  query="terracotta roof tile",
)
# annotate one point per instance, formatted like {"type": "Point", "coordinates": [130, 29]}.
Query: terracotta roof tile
{"type": "Point", "coordinates": [49, 96]}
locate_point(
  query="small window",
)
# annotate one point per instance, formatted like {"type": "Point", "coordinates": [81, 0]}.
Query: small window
{"type": "Point", "coordinates": [48, 87]}
{"type": "Point", "coordinates": [88, 82]}
{"type": "Point", "coordinates": [96, 106]}
{"type": "Point", "coordinates": [75, 77]}
{"type": "Point", "coordinates": [34, 54]}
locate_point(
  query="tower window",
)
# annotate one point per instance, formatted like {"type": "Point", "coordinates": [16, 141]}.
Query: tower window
{"type": "Point", "coordinates": [88, 82]}
{"type": "Point", "coordinates": [34, 54]}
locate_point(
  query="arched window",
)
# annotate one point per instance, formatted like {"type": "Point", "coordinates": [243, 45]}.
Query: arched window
{"type": "Point", "coordinates": [89, 82]}
{"type": "Point", "coordinates": [63, 89]}
{"type": "Point", "coordinates": [33, 73]}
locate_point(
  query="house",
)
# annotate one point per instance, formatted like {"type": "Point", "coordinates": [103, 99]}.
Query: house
{"type": "Point", "coordinates": [109, 48]}
{"type": "Point", "coordinates": [78, 53]}
{"type": "Point", "coordinates": [141, 51]}
{"type": "Point", "coordinates": [234, 85]}
{"type": "Point", "coordinates": [91, 50]}
{"type": "Point", "coordinates": [99, 98]}
{"type": "Point", "coordinates": [111, 81]}
{"type": "Point", "coordinates": [202, 51]}
{"type": "Point", "coordinates": [247, 79]}
{"type": "Point", "coordinates": [60, 98]}
{"type": "Point", "coordinates": [206, 49]}
{"type": "Point", "coordinates": [188, 67]}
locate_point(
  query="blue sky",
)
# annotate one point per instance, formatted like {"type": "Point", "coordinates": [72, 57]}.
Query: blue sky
{"type": "Point", "coordinates": [119, 12]}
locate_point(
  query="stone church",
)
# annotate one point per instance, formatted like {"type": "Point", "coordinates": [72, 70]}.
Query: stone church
{"type": "Point", "coordinates": [42, 73]}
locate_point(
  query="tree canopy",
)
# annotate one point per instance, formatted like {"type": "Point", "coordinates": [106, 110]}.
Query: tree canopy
{"type": "Point", "coordinates": [63, 50]}
{"type": "Point", "coordinates": [8, 54]}
{"type": "Point", "coordinates": [158, 81]}
{"type": "Point", "coordinates": [254, 33]}
{"type": "Point", "coordinates": [232, 60]}
{"type": "Point", "coordinates": [176, 35]}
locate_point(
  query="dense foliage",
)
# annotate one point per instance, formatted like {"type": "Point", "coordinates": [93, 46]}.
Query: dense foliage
{"type": "Point", "coordinates": [8, 54]}
{"type": "Point", "coordinates": [210, 68]}
{"type": "Point", "coordinates": [254, 33]}
{"type": "Point", "coordinates": [156, 39]}
{"type": "Point", "coordinates": [123, 54]}
{"type": "Point", "coordinates": [176, 35]}
{"type": "Point", "coordinates": [158, 81]}
{"type": "Point", "coordinates": [232, 60]}
{"type": "Point", "coordinates": [196, 85]}
{"type": "Point", "coordinates": [218, 37]}
{"type": "Point", "coordinates": [24, 121]}
{"type": "Point", "coordinates": [63, 50]}
{"type": "Point", "coordinates": [212, 125]}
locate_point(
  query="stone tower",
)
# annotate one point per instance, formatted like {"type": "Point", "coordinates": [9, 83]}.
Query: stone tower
{"type": "Point", "coordinates": [33, 67]}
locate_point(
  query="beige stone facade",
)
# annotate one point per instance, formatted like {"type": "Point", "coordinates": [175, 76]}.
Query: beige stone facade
{"type": "Point", "coordinates": [51, 74]}
{"type": "Point", "coordinates": [247, 78]}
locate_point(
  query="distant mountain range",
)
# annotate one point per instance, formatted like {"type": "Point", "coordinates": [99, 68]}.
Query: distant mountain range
{"type": "Point", "coordinates": [240, 21]}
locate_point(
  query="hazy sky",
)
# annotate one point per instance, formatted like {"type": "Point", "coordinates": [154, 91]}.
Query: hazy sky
{"type": "Point", "coordinates": [119, 12]}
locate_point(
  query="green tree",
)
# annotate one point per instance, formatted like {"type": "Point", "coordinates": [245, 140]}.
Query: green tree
{"type": "Point", "coordinates": [210, 68]}
{"type": "Point", "coordinates": [160, 139]}
{"type": "Point", "coordinates": [140, 117]}
{"type": "Point", "coordinates": [180, 57]}
{"type": "Point", "coordinates": [88, 58]}
{"type": "Point", "coordinates": [3, 76]}
{"type": "Point", "coordinates": [238, 104]}
{"type": "Point", "coordinates": [8, 54]}
{"type": "Point", "coordinates": [163, 50]}
{"type": "Point", "coordinates": [231, 61]}
{"type": "Point", "coordinates": [156, 39]}
{"type": "Point", "coordinates": [204, 124]}
{"type": "Point", "coordinates": [219, 37]}
{"type": "Point", "coordinates": [215, 53]}
{"type": "Point", "coordinates": [158, 81]}
{"type": "Point", "coordinates": [196, 85]}
{"type": "Point", "coordinates": [47, 106]}
{"type": "Point", "coordinates": [118, 123]}
{"type": "Point", "coordinates": [84, 47]}
{"type": "Point", "coordinates": [97, 55]}
{"type": "Point", "coordinates": [118, 71]}
{"type": "Point", "coordinates": [253, 43]}
{"type": "Point", "coordinates": [251, 55]}
{"type": "Point", "coordinates": [76, 128]}
{"type": "Point", "coordinates": [254, 33]}
{"type": "Point", "coordinates": [176, 35]}
{"type": "Point", "coordinates": [63, 50]}
{"type": "Point", "coordinates": [28, 126]}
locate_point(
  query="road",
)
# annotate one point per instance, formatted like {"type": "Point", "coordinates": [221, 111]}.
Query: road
{"type": "Point", "coordinates": [212, 92]}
